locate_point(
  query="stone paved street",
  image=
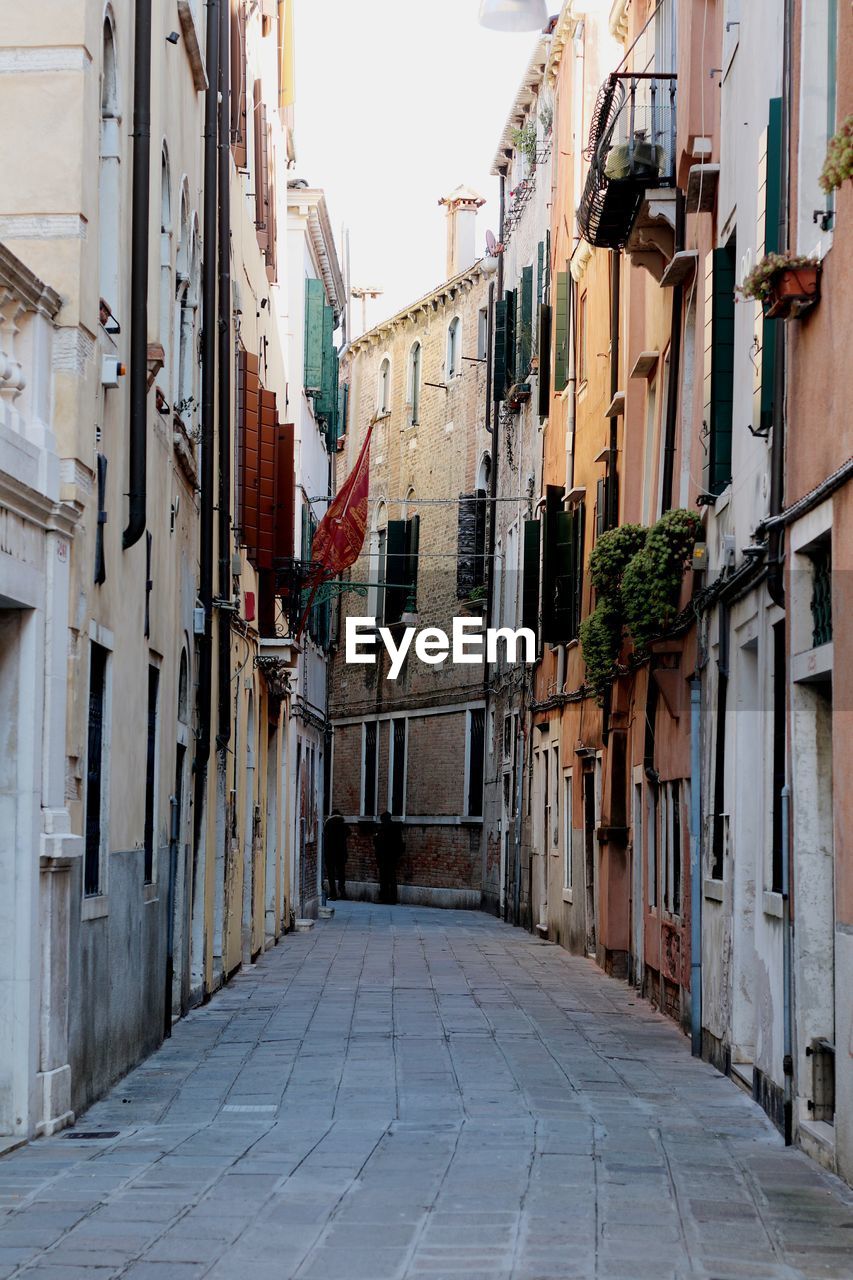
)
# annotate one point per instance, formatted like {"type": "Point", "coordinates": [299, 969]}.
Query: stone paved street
{"type": "Point", "coordinates": [415, 1093]}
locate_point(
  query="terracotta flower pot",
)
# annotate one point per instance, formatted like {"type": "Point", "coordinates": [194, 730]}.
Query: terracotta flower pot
{"type": "Point", "coordinates": [795, 290]}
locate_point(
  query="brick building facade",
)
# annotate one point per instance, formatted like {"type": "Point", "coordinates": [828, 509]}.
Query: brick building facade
{"type": "Point", "coordinates": [414, 746]}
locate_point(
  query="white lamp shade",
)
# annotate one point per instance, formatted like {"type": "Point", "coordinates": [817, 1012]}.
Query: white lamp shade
{"type": "Point", "coordinates": [513, 15]}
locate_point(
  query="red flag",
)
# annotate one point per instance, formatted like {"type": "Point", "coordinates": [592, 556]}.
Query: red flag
{"type": "Point", "coordinates": [340, 534]}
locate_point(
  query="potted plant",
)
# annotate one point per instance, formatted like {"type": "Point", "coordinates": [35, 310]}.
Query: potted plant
{"type": "Point", "coordinates": [785, 284]}
{"type": "Point", "coordinates": [525, 141]}
{"type": "Point", "coordinates": [838, 165]}
{"type": "Point", "coordinates": [475, 601]}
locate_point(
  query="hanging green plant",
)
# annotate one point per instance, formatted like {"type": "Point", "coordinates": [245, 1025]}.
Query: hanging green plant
{"type": "Point", "coordinates": [838, 165]}
{"type": "Point", "coordinates": [610, 557]}
{"type": "Point", "coordinates": [525, 141]}
{"type": "Point", "coordinates": [651, 583]}
{"type": "Point", "coordinates": [601, 640]}
{"type": "Point", "coordinates": [636, 573]}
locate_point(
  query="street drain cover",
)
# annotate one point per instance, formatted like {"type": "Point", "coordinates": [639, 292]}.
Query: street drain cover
{"type": "Point", "coordinates": [94, 1135]}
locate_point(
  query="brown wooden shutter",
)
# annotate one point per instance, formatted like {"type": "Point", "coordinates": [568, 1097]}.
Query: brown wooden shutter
{"type": "Point", "coordinates": [238, 83]}
{"type": "Point", "coordinates": [285, 491]}
{"type": "Point", "coordinates": [266, 478]}
{"type": "Point", "coordinates": [248, 451]}
{"type": "Point", "coordinates": [261, 175]}
{"type": "Point", "coordinates": [272, 265]}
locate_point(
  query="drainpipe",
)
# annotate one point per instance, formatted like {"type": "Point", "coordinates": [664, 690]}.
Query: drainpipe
{"type": "Point", "coordinates": [674, 367]}
{"type": "Point", "coordinates": [493, 475]}
{"type": "Point", "coordinates": [775, 579]}
{"type": "Point", "coordinates": [223, 621]}
{"type": "Point", "coordinates": [208, 390]}
{"type": "Point", "coordinates": [788, 1030]}
{"type": "Point", "coordinates": [695, 867]}
{"type": "Point", "coordinates": [612, 503]}
{"type": "Point", "coordinates": [138, 442]}
{"type": "Point", "coordinates": [572, 388]}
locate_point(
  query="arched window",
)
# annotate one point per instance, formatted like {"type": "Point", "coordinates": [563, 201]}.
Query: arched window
{"type": "Point", "coordinates": [454, 348]}
{"type": "Point", "coordinates": [413, 390]}
{"type": "Point", "coordinates": [165, 263]}
{"type": "Point", "coordinates": [383, 390]}
{"type": "Point", "coordinates": [183, 689]}
{"type": "Point", "coordinates": [109, 176]}
{"type": "Point", "coordinates": [377, 567]}
{"type": "Point", "coordinates": [186, 314]}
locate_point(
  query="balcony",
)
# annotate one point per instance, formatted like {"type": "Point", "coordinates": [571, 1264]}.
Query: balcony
{"type": "Point", "coordinates": [631, 150]}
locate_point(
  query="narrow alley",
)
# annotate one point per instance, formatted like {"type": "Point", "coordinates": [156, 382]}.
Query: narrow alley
{"type": "Point", "coordinates": [410, 1092]}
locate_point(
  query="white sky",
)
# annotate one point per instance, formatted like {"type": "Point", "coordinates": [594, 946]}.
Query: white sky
{"type": "Point", "coordinates": [397, 103]}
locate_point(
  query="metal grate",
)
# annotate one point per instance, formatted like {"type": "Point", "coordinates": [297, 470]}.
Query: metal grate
{"type": "Point", "coordinates": [822, 596]}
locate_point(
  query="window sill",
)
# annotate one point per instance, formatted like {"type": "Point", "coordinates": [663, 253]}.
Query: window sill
{"type": "Point", "coordinates": [96, 907]}
{"type": "Point", "coordinates": [568, 895]}
{"type": "Point", "coordinates": [150, 892]}
{"type": "Point", "coordinates": [713, 890]}
{"type": "Point", "coordinates": [773, 904]}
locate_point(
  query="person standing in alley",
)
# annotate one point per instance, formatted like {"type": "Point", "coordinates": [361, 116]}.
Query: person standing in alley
{"type": "Point", "coordinates": [388, 842]}
{"type": "Point", "coordinates": [335, 837]}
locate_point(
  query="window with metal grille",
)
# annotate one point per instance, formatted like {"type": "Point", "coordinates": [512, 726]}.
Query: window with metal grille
{"type": "Point", "coordinates": [398, 767]}
{"type": "Point", "coordinates": [476, 742]}
{"type": "Point", "coordinates": [94, 769]}
{"type": "Point", "coordinates": [368, 798]}
{"type": "Point", "coordinates": [821, 558]}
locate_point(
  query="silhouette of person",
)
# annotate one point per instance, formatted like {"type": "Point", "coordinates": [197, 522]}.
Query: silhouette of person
{"type": "Point", "coordinates": [388, 843]}
{"type": "Point", "coordinates": [335, 837]}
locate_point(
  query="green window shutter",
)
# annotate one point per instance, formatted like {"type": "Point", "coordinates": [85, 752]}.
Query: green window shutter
{"type": "Point", "coordinates": [548, 266]}
{"type": "Point", "coordinates": [511, 306]}
{"type": "Point", "coordinates": [566, 531]}
{"type": "Point", "coordinates": [499, 358]}
{"type": "Point", "coordinates": [396, 564]}
{"type": "Point", "coordinates": [530, 580]}
{"type": "Point", "coordinates": [315, 302]}
{"type": "Point", "coordinates": [719, 367]}
{"type": "Point", "coordinates": [544, 360]}
{"type": "Point", "coordinates": [325, 404]}
{"type": "Point", "coordinates": [526, 332]}
{"type": "Point", "coordinates": [413, 536]}
{"type": "Point", "coordinates": [550, 561]}
{"type": "Point", "coordinates": [561, 332]}
{"type": "Point", "coordinates": [767, 241]}
{"type": "Point", "coordinates": [540, 273]}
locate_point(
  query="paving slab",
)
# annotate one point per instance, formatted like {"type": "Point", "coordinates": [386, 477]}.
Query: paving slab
{"type": "Point", "coordinates": [404, 1092]}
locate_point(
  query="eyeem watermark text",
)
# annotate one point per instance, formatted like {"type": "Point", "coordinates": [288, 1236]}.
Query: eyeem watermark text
{"type": "Point", "coordinates": [432, 646]}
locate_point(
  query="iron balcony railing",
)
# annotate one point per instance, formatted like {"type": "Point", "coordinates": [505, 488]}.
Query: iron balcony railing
{"type": "Point", "coordinates": [631, 148]}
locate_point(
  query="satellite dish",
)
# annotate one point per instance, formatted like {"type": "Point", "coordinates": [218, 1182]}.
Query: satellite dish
{"type": "Point", "coordinates": [491, 244]}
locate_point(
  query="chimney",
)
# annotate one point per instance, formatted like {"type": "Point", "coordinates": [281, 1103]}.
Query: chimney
{"type": "Point", "coordinates": [462, 205]}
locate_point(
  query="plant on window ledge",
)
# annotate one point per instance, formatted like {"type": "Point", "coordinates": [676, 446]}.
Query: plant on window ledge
{"type": "Point", "coordinates": [525, 141]}
{"type": "Point", "coordinates": [637, 574]}
{"type": "Point", "coordinates": [838, 165]}
{"type": "Point", "coordinates": [785, 284]}
{"type": "Point", "coordinates": [546, 117]}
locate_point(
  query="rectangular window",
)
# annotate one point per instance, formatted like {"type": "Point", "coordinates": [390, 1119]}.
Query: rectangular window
{"type": "Point", "coordinates": [554, 833]}
{"type": "Point", "coordinates": [381, 548]}
{"type": "Point", "coordinates": [546, 800]}
{"type": "Point", "coordinates": [483, 333]}
{"type": "Point", "coordinates": [398, 767]}
{"type": "Point", "coordinates": [151, 773]}
{"type": "Point", "coordinates": [718, 386]}
{"type": "Point", "coordinates": [567, 830]}
{"type": "Point", "coordinates": [581, 360]}
{"type": "Point", "coordinates": [671, 851]}
{"type": "Point", "coordinates": [369, 771]}
{"type": "Point", "coordinates": [652, 842]}
{"type": "Point", "coordinates": [561, 332]}
{"type": "Point", "coordinates": [476, 735]}
{"type": "Point", "coordinates": [98, 659]}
